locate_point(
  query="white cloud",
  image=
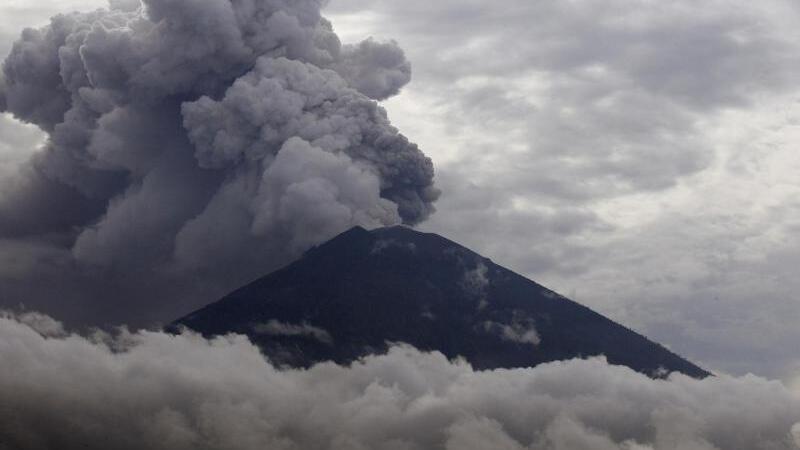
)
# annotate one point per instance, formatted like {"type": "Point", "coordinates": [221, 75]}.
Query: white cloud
{"type": "Point", "coordinates": [159, 391]}
{"type": "Point", "coordinates": [476, 282]}
{"type": "Point", "coordinates": [519, 332]}
{"type": "Point", "coordinates": [40, 323]}
{"type": "Point", "coordinates": [276, 328]}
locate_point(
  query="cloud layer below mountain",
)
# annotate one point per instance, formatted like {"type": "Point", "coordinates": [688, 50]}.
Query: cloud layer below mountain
{"type": "Point", "coordinates": [159, 391]}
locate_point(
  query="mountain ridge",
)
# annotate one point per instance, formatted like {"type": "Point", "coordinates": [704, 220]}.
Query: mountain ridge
{"type": "Point", "coordinates": [353, 295]}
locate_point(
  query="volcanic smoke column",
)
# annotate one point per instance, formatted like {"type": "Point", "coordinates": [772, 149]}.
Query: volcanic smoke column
{"type": "Point", "coordinates": [185, 135]}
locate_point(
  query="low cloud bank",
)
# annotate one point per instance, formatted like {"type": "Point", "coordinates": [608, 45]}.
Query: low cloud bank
{"type": "Point", "coordinates": [159, 391]}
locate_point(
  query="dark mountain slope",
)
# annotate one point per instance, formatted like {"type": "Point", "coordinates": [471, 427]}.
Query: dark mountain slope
{"type": "Point", "coordinates": [352, 295]}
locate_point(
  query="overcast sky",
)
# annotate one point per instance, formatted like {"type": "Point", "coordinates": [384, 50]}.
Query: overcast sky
{"type": "Point", "coordinates": [636, 156]}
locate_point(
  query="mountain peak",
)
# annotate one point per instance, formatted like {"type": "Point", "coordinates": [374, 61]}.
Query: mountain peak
{"type": "Point", "coordinates": [362, 290]}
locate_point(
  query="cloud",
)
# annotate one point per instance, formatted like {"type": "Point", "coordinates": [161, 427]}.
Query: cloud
{"type": "Point", "coordinates": [476, 280]}
{"type": "Point", "coordinates": [161, 391]}
{"type": "Point", "coordinates": [19, 12]}
{"type": "Point", "coordinates": [476, 283]}
{"type": "Point", "coordinates": [276, 328]}
{"type": "Point", "coordinates": [519, 331]}
{"type": "Point", "coordinates": [45, 325]}
{"type": "Point", "coordinates": [379, 70]}
{"type": "Point", "coordinates": [576, 101]}
{"type": "Point", "coordinates": [199, 140]}
{"type": "Point", "coordinates": [17, 144]}
{"type": "Point", "coordinates": [382, 245]}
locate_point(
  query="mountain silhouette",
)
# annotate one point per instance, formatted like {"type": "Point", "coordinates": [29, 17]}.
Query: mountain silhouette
{"type": "Point", "coordinates": [364, 290]}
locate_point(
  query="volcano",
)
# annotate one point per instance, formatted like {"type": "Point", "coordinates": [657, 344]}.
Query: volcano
{"type": "Point", "coordinates": [364, 291]}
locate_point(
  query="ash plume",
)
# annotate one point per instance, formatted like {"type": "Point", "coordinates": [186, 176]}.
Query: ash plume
{"type": "Point", "coordinates": [193, 145]}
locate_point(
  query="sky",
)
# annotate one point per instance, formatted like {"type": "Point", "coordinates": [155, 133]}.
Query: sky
{"type": "Point", "coordinates": [636, 156]}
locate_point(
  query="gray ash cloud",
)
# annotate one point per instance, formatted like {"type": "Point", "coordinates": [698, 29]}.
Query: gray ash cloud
{"type": "Point", "coordinates": [193, 145]}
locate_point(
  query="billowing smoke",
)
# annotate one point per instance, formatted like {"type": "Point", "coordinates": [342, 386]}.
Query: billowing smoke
{"type": "Point", "coordinates": [195, 144]}
{"type": "Point", "coordinates": [158, 391]}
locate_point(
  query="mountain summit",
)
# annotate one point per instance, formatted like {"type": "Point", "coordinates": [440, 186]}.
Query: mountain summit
{"type": "Point", "coordinates": [364, 290]}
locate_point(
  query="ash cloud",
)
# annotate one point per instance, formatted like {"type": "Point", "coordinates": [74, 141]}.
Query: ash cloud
{"type": "Point", "coordinates": [199, 143]}
{"type": "Point", "coordinates": [161, 391]}
{"type": "Point", "coordinates": [377, 69]}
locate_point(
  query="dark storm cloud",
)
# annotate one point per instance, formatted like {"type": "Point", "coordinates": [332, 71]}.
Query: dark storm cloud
{"type": "Point", "coordinates": [188, 135]}
{"type": "Point", "coordinates": [159, 391]}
